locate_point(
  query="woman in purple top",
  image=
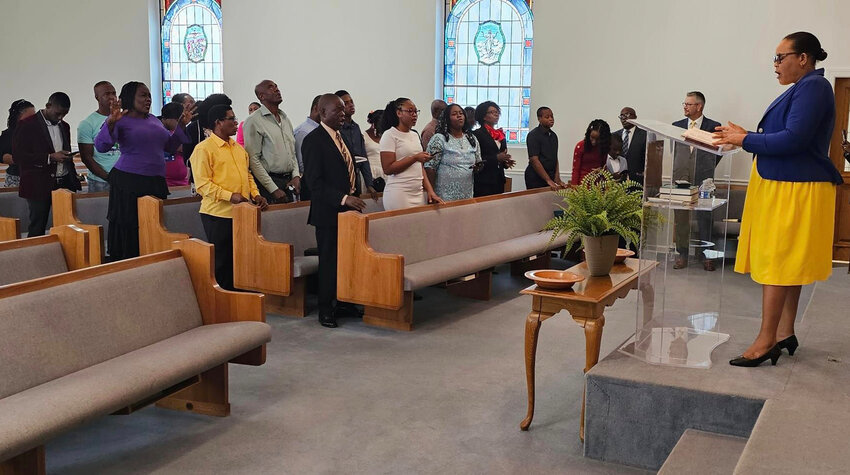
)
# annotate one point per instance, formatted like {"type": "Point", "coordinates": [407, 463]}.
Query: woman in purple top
{"type": "Point", "coordinates": [140, 170]}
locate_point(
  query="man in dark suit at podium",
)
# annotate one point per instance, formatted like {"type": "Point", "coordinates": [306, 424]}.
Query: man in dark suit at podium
{"type": "Point", "coordinates": [694, 166]}
{"type": "Point", "coordinates": [634, 145]}
{"type": "Point", "coordinates": [329, 171]}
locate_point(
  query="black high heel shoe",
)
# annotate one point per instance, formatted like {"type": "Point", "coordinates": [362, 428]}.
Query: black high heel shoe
{"type": "Point", "coordinates": [773, 355]}
{"type": "Point", "coordinates": [789, 344]}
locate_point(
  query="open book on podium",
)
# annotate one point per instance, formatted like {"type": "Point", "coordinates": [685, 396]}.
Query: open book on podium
{"type": "Point", "coordinates": [704, 138]}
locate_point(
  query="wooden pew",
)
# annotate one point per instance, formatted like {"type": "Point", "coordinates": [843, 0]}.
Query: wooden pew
{"type": "Point", "coordinates": [13, 206]}
{"type": "Point", "coordinates": [168, 340]}
{"type": "Point", "coordinates": [10, 229]}
{"type": "Point", "coordinates": [65, 212]}
{"type": "Point", "coordinates": [385, 256]}
{"type": "Point", "coordinates": [268, 252]}
{"type": "Point", "coordinates": [65, 249]}
{"type": "Point", "coordinates": [162, 222]}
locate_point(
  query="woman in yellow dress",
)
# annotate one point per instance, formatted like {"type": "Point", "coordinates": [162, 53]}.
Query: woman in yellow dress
{"type": "Point", "coordinates": [789, 214]}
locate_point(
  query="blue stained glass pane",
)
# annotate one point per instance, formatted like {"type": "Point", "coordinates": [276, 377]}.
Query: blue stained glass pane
{"type": "Point", "coordinates": [471, 75]}
{"type": "Point", "coordinates": [526, 74]}
{"type": "Point", "coordinates": [460, 98]}
{"type": "Point", "coordinates": [518, 35]}
{"type": "Point", "coordinates": [471, 95]}
{"type": "Point", "coordinates": [463, 32]}
{"type": "Point", "coordinates": [525, 114]}
{"type": "Point", "coordinates": [461, 54]}
{"type": "Point", "coordinates": [506, 29]}
{"type": "Point", "coordinates": [473, 12]}
{"type": "Point", "coordinates": [526, 93]}
{"type": "Point", "coordinates": [494, 75]}
{"type": "Point", "coordinates": [523, 136]}
{"type": "Point", "coordinates": [504, 96]}
{"type": "Point", "coordinates": [450, 55]}
{"type": "Point", "coordinates": [450, 74]}
{"type": "Point", "coordinates": [516, 53]}
{"type": "Point", "coordinates": [495, 10]}
{"type": "Point", "coordinates": [507, 12]}
{"type": "Point", "coordinates": [515, 97]}
{"type": "Point", "coordinates": [483, 77]}
{"type": "Point", "coordinates": [504, 75]}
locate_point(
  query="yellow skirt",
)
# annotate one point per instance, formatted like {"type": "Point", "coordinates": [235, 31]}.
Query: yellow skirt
{"type": "Point", "coordinates": [786, 231]}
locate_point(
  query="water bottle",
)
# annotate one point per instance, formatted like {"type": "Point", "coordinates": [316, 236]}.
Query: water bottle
{"type": "Point", "coordinates": [706, 189]}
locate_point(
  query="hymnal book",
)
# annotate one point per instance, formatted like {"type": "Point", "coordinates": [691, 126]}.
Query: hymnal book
{"type": "Point", "coordinates": [674, 190]}
{"type": "Point", "coordinates": [674, 199]}
{"type": "Point", "coordinates": [703, 138]}
{"type": "Point", "coordinates": [678, 198]}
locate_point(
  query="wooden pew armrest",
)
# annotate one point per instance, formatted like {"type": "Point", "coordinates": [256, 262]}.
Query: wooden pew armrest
{"type": "Point", "coordinates": [259, 265]}
{"type": "Point", "coordinates": [65, 212]}
{"type": "Point", "coordinates": [363, 275]}
{"type": "Point", "coordinates": [10, 229]}
{"type": "Point", "coordinates": [75, 243]}
{"type": "Point", "coordinates": [153, 236]}
{"type": "Point", "coordinates": [218, 305]}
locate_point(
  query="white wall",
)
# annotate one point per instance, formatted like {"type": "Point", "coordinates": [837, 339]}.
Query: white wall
{"type": "Point", "coordinates": [375, 49]}
{"type": "Point", "coordinates": [54, 45]}
{"type": "Point", "coordinates": [590, 58]}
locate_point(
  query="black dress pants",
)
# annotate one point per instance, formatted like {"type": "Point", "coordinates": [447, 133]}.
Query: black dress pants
{"type": "Point", "coordinates": [219, 233]}
{"type": "Point", "coordinates": [326, 241]}
{"type": "Point", "coordinates": [39, 212]}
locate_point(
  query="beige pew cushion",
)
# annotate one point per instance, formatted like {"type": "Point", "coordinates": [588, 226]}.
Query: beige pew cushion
{"type": "Point", "coordinates": [305, 265]}
{"type": "Point", "coordinates": [32, 417]}
{"type": "Point", "coordinates": [31, 263]}
{"type": "Point", "coordinates": [184, 218]}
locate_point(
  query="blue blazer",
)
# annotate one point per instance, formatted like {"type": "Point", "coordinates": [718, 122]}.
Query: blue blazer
{"type": "Point", "coordinates": [792, 142]}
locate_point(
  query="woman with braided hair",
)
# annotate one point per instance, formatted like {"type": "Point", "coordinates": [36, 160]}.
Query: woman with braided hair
{"type": "Point", "coordinates": [592, 152]}
{"type": "Point", "coordinates": [455, 155]}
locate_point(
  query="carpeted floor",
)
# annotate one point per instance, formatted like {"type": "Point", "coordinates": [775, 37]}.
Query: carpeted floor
{"type": "Point", "coordinates": [445, 398]}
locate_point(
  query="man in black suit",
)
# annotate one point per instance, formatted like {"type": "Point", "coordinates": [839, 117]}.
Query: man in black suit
{"type": "Point", "coordinates": [329, 171]}
{"type": "Point", "coordinates": [694, 166]}
{"type": "Point", "coordinates": [634, 144]}
{"type": "Point", "coordinates": [41, 147]}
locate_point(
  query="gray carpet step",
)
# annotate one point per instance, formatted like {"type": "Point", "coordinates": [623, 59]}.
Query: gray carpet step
{"type": "Point", "coordinates": [704, 453]}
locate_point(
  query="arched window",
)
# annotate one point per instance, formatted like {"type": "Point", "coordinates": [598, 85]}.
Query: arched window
{"type": "Point", "coordinates": [191, 48]}
{"type": "Point", "coordinates": [487, 56]}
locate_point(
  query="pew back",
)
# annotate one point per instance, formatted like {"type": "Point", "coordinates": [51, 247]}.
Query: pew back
{"type": "Point", "coordinates": [151, 309]}
{"type": "Point", "coordinates": [163, 222]}
{"type": "Point", "coordinates": [13, 206]}
{"type": "Point", "coordinates": [65, 248]}
{"type": "Point", "coordinates": [428, 234]}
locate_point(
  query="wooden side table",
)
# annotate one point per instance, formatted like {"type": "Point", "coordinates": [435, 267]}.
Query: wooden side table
{"type": "Point", "coordinates": [585, 302]}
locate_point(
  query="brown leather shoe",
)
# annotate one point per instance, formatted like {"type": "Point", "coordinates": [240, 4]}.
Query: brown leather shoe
{"type": "Point", "coordinates": [681, 263]}
{"type": "Point", "coordinates": [708, 265]}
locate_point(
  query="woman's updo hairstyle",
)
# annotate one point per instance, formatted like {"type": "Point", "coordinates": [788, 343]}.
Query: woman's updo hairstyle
{"type": "Point", "coordinates": [805, 42]}
{"type": "Point", "coordinates": [390, 119]}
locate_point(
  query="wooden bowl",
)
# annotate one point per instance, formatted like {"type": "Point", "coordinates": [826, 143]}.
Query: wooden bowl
{"type": "Point", "coordinates": [622, 254]}
{"type": "Point", "coordinates": [553, 279]}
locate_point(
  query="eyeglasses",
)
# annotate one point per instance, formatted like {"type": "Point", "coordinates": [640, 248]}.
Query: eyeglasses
{"type": "Point", "coordinates": [625, 116]}
{"type": "Point", "coordinates": [230, 118]}
{"type": "Point", "coordinates": [411, 111]}
{"type": "Point", "coordinates": [690, 104]}
{"type": "Point", "coordinates": [777, 58]}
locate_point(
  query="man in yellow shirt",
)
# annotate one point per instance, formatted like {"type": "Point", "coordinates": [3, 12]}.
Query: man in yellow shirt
{"type": "Point", "coordinates": [223, 179]}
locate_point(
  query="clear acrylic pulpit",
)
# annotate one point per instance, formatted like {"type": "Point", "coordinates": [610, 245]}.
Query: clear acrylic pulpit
{"type": "Point", "coordinates": [686, 186]}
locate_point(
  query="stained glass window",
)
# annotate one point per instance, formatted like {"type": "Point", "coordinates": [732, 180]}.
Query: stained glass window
{"type": "Point", "coordinates": [191, 48]}
{"type": "Point", "coordinates": [487, 56]}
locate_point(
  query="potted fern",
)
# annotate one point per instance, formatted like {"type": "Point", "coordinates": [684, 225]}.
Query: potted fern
{"type": "Point", "coordinates": [596, 212]}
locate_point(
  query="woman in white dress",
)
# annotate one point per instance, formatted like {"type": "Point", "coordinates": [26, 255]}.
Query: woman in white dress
{"type": "Point", "coordinates": [402, 158]}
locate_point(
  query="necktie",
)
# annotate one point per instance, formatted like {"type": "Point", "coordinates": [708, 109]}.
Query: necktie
{"type": "Point", "coordinates": [349, 163]}
{"type": "Point", "coordinates": [693, 126]}
{"type": "Point", "coordinates": [626, 143]}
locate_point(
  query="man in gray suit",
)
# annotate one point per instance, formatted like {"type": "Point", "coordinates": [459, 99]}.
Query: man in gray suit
{"type": "Point", "coordinates": [694, 166]}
